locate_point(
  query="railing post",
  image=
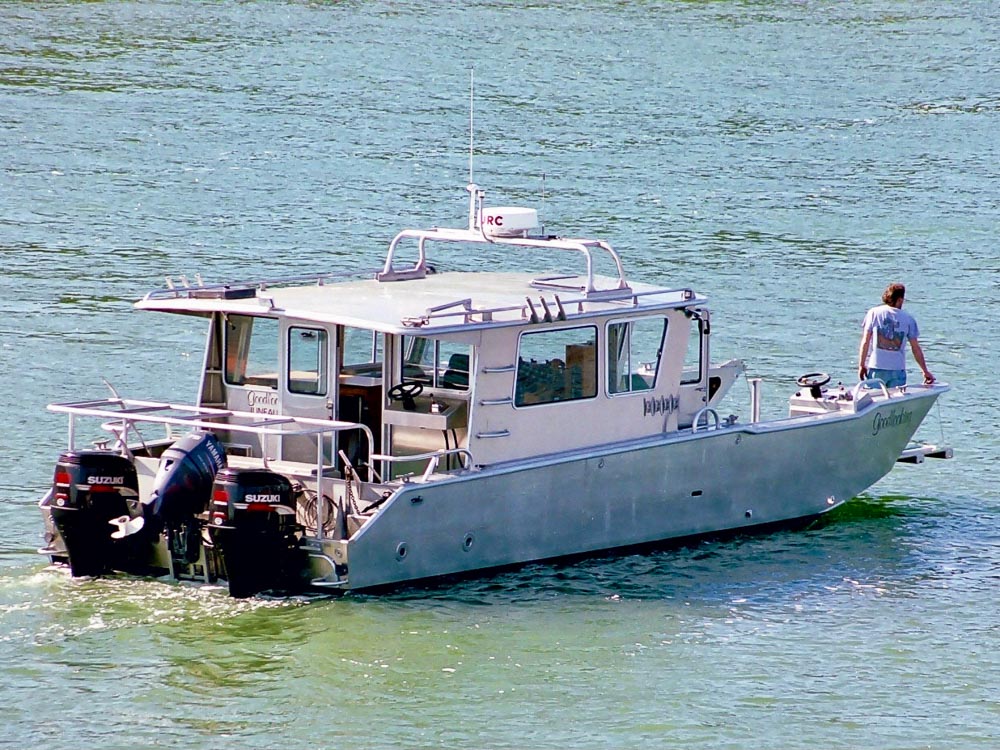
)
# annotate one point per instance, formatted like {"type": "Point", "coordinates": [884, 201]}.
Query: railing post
{"type": "Point", "coordinates": [320, 505]}
{"type": "Point", "coordinates": [754, 399]}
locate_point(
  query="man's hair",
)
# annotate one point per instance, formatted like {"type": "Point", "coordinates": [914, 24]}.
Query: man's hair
{"type": "Point", "coordinates": [893, 293]}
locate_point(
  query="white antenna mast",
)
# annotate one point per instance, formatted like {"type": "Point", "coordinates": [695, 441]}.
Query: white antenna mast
{"type": "Point", "coordinates": [474, 193]}
{"type": "Point", "coordinates": [472, 104]}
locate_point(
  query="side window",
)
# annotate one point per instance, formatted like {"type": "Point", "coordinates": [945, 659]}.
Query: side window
{"type": "Point", "coordinates": [440, 364]}
{"type": "Point", "coordinates": [634, 349]}
{"type": "Point", "coordinates": [692, 358]}
{"type": "Point", "coordinates": [307, 358]}
{"type": "Point", "coordinates": [362, 352]}
{"type": "Point", "coordinates": [251, 351]}
{"type": "Point", "coordinates": [559, 365]}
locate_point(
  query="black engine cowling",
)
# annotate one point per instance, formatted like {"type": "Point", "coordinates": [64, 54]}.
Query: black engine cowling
{"type": "Point", "coordinates": [183, 482]}
{"type": "Point", "coordinates": [90, 489]}
{"type": "Point", "coordinates": [252, 523]}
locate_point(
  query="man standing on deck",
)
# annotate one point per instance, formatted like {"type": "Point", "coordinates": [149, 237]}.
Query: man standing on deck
{"type": "Point", "coordinates": [885, 330]}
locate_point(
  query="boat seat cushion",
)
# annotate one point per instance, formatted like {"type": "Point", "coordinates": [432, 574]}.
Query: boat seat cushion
{"type": "Point", "coordinates": [457, 374]}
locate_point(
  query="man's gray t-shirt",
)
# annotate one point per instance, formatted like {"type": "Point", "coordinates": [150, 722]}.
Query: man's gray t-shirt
{"type": "Point", "coordinates": [890, 330]}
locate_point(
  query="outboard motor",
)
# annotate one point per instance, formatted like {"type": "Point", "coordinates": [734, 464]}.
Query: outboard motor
{"type": "Point", "coordinates": [183, 481]}
{"type": "Point", "coordinates": [181, 490]}
{"type": "Point", "coordinates": [252, 523]}
{"type": "Point", "coordinates": [92, 489]}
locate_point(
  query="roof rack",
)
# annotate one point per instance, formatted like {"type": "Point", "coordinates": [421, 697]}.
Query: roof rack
{"type": "Point", "coordinates": [476, 234]}
{"type": "Point", "coordinates": [182, 288]}
{"type": "Point", "coordinates": [528, 311]}
{"type": "Point", "coordinates": [586, 247]}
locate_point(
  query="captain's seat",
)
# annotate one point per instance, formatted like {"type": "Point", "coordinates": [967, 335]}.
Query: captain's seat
{"type": "Point", "coordinates": [457, 374]}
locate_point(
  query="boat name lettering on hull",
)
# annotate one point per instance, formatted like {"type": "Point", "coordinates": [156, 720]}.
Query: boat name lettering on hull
{"type": "Point", "coordinates": [894, 418]}
{"type": "Point", "coordinates": [660, 405]}
{"type": "Point", "coordinates": [262, 402]}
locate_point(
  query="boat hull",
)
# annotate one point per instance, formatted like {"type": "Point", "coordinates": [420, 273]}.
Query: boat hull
{"type": "Point", "coordinates": [733, 478]}
{"type": "Point", "coordinates": [685, 484]}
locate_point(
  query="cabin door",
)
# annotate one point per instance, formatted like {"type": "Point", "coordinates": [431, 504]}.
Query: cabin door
{"type": "Point", "coordinates": [307, 383]}
{"type": "Point", "coordinates": [694, 393]}
{"type": "Point", "coordinates": [273, 368]}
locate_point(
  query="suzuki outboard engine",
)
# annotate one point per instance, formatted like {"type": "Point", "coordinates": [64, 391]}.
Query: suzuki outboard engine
{"type": "Point", "coordinates": [252, 523]}
{"type": "Point", "coordinates": [90, 490]}
{"type": "Point", "coordinates": [181, 490]}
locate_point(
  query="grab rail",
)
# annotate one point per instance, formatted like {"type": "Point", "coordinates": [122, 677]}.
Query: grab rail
{"type": "Point", "coordinates": [433, 456]}
{"type": "Point", "coordinates": [130, 411]}
{"type": "Point", "coordinates": [869, 384]}
{"type": "Point", "coordinates": [183, 288]}
{"type": "Point", "coordinates": [706, 410]}
{"type": "Point", "coordinates": [675, 298]}
{"type": "Point", "coordinates": [441, 234]}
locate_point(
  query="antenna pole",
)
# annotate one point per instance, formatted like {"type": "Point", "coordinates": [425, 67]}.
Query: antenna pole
{"type": "Point", "coordinates": [474, 194]}
{"type": "Point", "coordinates": [472, 101]}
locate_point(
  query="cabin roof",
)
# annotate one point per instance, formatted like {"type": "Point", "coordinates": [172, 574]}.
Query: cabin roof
{"type": "Point", "coordinates": [438, 302]}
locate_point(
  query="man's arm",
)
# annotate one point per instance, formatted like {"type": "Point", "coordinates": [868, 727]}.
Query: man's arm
{"type": "Point", "coordinates": [866, 339]}
{"type": "Point", "coordinates": [918, 354]}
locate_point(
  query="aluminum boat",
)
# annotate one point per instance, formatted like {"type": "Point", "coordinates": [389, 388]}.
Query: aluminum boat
{"type": "Point", "coordinates": [357, 431]}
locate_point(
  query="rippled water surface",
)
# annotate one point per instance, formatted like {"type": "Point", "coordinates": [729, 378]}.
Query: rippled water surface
{"type": "Point", "coordinates": [788, 159]}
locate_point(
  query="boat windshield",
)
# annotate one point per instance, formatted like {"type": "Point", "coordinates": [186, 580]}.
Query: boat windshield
{"type": "Point", "coordinates": [439, 364]}
{"type": "Point", "coordinates": [362, 352]}
{"type": "Point", "coordinates": [634, 349]}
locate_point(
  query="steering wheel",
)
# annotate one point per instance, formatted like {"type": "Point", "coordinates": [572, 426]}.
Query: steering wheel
{"type": "Point", "coordinates": [813, 381]}
{"type": "Point", "coordinates": [405, 392]}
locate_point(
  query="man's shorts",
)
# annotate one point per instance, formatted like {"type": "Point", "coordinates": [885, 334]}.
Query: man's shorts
{"type": "Point", "coordinates": [891, 378]}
